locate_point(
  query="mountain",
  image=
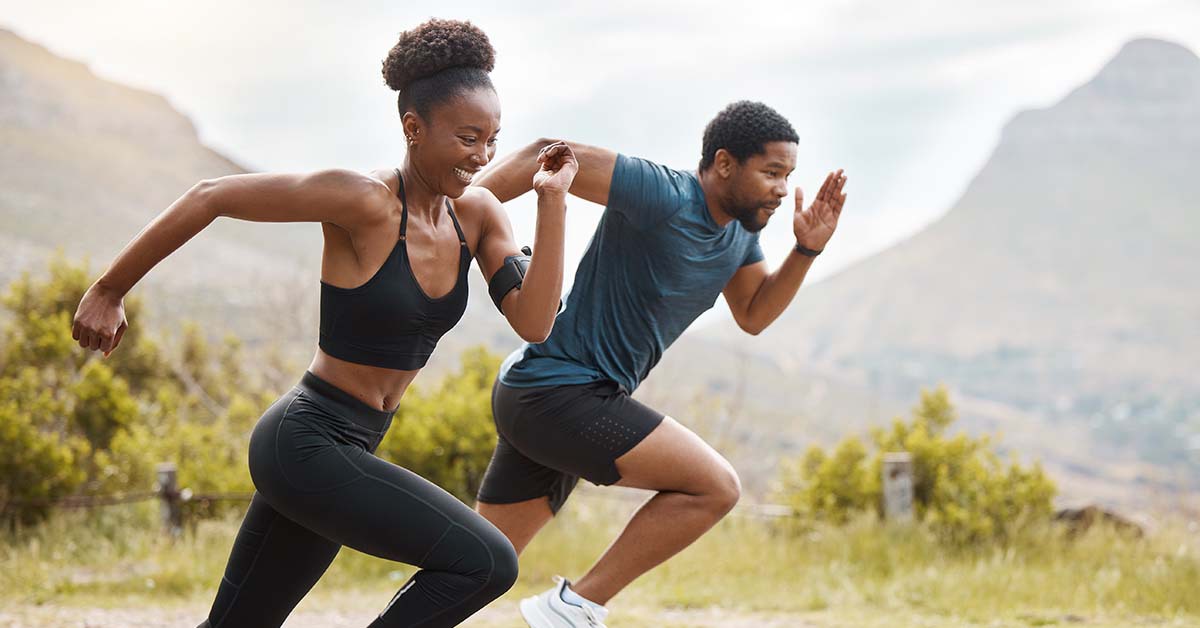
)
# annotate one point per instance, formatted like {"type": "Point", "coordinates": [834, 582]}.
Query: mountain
{"type": "Point", "coordinates": [1061, 287]}
{"type": "Point", "coordinates": [85, 163]}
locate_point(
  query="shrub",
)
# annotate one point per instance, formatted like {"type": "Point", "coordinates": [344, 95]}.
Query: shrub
{"type": "Point", "coordinates": [961, 488]}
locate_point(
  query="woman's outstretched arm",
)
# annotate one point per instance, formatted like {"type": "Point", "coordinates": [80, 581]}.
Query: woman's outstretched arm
{"type": "Point", "coordinates": [347, 199]}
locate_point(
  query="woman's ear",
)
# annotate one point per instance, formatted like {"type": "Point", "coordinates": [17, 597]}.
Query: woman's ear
{"type": "Point", "coordinates": [412, 124]}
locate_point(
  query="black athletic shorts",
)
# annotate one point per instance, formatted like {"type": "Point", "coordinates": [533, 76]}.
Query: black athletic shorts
{"type": "Point", "coordinates": [549, 437]}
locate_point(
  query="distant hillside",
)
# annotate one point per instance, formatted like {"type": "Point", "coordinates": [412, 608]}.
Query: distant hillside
{"type": "Point", "coordinates": [1060, 287]}
{"type": "Point", "coordinates": [85, 163]}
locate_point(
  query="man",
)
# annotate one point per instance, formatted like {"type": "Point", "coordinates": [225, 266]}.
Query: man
{"type": "Point", "coordinates": [668, 243]}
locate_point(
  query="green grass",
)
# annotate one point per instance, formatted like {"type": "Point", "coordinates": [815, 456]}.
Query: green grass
{"type": "Point", "coordinates": [859, 573]}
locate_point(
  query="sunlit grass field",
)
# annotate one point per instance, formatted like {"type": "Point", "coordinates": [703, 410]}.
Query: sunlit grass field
{"type": "Point", "coordinates": [747, 571]}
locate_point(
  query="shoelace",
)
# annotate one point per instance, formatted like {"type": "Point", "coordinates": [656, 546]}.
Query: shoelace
{"type": "Point", "coordinates": [590, 615]}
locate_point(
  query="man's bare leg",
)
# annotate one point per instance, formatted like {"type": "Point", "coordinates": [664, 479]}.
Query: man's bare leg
{"type": "Point", "coordinates": [519, 521]}
{"type": "Point", "coordinates": [696, 488]}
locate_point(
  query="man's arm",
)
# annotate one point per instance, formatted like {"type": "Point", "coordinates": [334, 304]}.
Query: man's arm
{"type": "Point", "coordinates": [755, 297]}
{"type": "Point", "coordinates": [512, 175]}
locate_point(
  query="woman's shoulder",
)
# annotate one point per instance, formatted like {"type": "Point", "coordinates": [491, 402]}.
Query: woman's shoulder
{"type": "Point", "coordinates": [477, 204]}
{"type": "Point", "coordinates": [374, 195]}
{"type": "Point", "coordinates": [384, 177]}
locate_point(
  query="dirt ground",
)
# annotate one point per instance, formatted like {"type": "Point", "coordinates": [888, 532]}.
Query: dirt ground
{"type": "Point", "coordinates": [500, 615]}
{"type": "Point", "coordinates": [357, 610]}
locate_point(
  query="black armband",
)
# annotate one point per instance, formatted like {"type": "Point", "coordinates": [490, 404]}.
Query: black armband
{"type": "Point", "coordinates": [510, 276]}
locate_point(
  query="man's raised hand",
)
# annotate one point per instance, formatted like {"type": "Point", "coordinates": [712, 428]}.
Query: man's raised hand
{"type": "Point", "coordinates": [815, 225]}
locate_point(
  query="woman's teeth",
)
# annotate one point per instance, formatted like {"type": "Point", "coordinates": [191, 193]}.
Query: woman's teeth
{"type": "Point", "coordinates": [463, 175]}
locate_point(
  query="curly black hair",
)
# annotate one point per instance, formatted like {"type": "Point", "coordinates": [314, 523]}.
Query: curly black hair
{"type": "Point", "coordinates": [437, 61]}
{"type": "Point", "coordinates": [744, 128]}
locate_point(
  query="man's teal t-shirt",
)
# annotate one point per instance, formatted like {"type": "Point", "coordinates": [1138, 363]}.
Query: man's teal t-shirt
{"type": "Point", "coordinates": [656, 262]}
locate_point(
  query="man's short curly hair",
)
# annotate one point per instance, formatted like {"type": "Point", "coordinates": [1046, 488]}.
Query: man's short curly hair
{"type": "Point", "coordinates": [744, 128]}
{"type": "Point", "coordinates": [437, 61]}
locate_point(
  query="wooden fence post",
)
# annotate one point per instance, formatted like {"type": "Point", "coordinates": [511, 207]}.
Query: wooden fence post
{"type": "Point", "coordinates": [168, 493]}
{"type": "Point", "coordinates": [897, 486]}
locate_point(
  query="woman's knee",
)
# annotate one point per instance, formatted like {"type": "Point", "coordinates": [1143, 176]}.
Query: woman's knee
{"type": "Point", "coordinates": [483, 555]}
{"type": "Point", "coordinates": [501, 559]}
{"type": "Point", "coordinates": [505, 567]}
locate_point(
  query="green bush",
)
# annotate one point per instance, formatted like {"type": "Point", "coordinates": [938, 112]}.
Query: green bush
{"type": "Point", "coordinates": [962, 489]}
{"type": "Point", "coordinates": [446, 435]}
{"type": "Point", "coordinates": [38, 458]}
{"type": "Point", "coordinates": [74, 424]}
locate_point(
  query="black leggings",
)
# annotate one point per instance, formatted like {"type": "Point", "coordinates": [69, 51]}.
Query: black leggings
{"type": "Point", "coordinates": [320, 487]}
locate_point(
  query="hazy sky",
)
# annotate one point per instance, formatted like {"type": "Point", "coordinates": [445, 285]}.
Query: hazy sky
{"type": "Point", "coordinates": [909, 97]}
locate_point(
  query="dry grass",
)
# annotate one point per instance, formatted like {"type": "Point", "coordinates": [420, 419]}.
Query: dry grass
{"type": "Point", "coordinates": [101, 567]}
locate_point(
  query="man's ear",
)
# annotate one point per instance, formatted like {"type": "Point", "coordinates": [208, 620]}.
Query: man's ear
{"type": "Point", "coordinates": [724, 163]}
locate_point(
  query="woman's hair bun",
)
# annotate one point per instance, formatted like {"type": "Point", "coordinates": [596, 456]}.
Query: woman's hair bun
{"type": "Point", "coordinates": [435, 46]}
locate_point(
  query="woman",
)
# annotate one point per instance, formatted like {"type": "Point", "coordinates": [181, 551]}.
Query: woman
{"type": "Point", "coordinates": [396, 253]}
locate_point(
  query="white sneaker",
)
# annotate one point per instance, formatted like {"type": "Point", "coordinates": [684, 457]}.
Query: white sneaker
{"type": "Point", "coordinates": [548, 610]}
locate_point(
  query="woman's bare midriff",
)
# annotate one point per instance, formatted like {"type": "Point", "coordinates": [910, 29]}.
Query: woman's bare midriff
{"type": "Point", "coordinates": [378, 387]}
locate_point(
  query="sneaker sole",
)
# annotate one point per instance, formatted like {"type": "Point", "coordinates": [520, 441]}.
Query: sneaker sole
{"type": "Point", "coordinates": [533, 615]}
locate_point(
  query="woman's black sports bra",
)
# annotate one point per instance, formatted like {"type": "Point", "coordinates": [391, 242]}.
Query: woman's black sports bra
{"type": "Point", "coordinates": [389, 321]}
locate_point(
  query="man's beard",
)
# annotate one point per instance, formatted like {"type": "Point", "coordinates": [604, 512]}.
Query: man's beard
{"type": "Point", "coordinates": [748, 217]}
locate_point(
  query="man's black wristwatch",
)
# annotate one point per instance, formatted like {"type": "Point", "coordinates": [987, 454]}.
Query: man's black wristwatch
{"type": "Point", "coordinates": [807, 252]}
